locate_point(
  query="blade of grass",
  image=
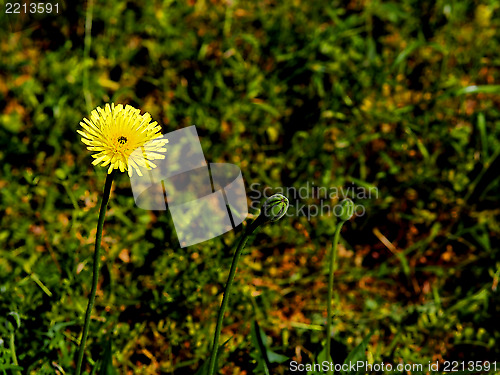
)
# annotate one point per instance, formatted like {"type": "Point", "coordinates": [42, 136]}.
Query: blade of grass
{"type": "Point", "coordinates": [481, 125]}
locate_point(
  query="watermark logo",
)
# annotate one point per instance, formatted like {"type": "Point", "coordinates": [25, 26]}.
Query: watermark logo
{"type": "Point", "coordinates": [205, 200]}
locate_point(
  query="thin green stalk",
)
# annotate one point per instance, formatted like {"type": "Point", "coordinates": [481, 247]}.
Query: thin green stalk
{"type": "Point", "coordinates": [273, 209]}
{"type": "Point", "coordinates": [95, 269]}
{"type": "Point", "coordinates": [333, 261]}
{"type": "Point", "coordinates": [13, 353]}
{"type": "Point", "coordinates": [346, 213]}
{"type": "Point", "coordinates": [227, 291]}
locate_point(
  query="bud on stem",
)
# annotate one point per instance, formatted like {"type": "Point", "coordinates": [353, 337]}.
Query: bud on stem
{"type": "Point", "coordinates": [347, 207]}
{"type": "Point", "coordinates": [275, 207]}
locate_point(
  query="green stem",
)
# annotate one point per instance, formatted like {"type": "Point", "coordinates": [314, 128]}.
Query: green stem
{"type": "Point", "coordinates": [227, 291]}
{"type": "Point", "coordinates": [333, 260]}
{"type": "Point", "coordinates": [13, 353]}
{"type": "Point", "coordinates": [95, 269]}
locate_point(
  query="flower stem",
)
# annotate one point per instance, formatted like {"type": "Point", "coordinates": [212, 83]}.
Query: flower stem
{"type": "Point", "coordinates": [333, 261]}
{"type": "Point", "coordinates": [13, 353]}
{"type": "Point", "coordinates": [227, 291]}
{"type": "Point", "coordinates": [95, 269]}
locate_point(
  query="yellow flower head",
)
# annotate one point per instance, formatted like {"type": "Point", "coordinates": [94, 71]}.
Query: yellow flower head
{"type": "Point", "coordinates": [116, 132]}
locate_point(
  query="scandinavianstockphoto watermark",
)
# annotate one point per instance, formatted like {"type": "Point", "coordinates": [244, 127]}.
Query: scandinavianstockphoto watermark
{"type": "Point", "coordinates": [312, 201]}
{"type": "Point", "coordinates": [362, 366]}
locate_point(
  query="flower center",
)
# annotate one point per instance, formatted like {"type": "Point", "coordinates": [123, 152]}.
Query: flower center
{"type": "Point", "coordinates": [122, 140]}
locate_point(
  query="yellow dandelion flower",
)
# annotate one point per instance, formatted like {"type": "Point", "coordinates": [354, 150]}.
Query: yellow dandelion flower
{"type": "Point", "coordinates": [115, 132]}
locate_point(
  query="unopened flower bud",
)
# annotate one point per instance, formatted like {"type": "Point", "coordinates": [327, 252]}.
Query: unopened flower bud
{"type": "Point", "coordinates": [14, 320]}
{"type": "Point", "coordinates": [347, 209]}
{"type": "Point", "coordinates": [275, 207]}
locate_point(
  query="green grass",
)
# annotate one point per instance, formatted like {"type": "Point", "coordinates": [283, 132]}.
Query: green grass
{"type": "Point", "coordinates": [401, 96]}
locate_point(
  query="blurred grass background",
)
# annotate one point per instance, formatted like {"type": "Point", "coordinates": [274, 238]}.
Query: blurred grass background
{"type": "Point", "coordinates": [399, 96]}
